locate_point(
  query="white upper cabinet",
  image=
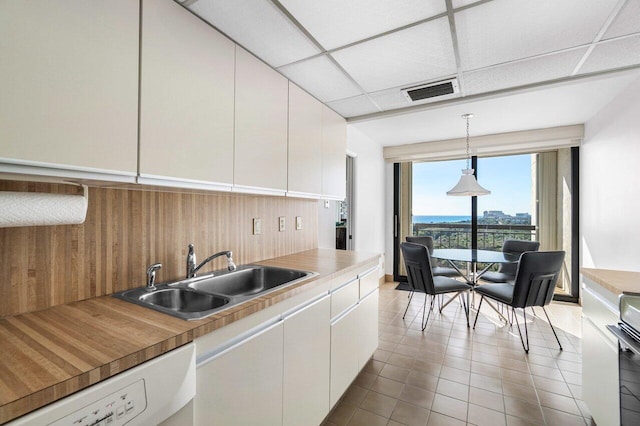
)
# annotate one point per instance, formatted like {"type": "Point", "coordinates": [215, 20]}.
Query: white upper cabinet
{"type": "Point", "coordinates": [261, 105]}
{"type": "Point", "coordinates": [334, 152]}
{"type": "Point", "coordinates": [69, 73]}
{"type": "Point", "coordinates": [186, 99]}
{"type": "Point", "coordinates": [305, 144]}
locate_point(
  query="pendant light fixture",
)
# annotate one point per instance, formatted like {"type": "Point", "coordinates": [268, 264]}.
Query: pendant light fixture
{"type": "Point", "coordinates": [467, 185]}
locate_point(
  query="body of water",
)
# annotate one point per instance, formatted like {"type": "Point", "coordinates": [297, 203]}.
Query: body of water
{"type": "Point", "coordinates": [440, 219]}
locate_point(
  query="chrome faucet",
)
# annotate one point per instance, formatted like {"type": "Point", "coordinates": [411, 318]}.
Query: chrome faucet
{"type": "Point", "coordinates": [151, 276]}
{"type": "Point", "coordinates": [192, 269]}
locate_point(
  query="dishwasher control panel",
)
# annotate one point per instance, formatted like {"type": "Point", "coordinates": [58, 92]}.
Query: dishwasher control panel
{"type": "Point", "coordinates": [114, 410]}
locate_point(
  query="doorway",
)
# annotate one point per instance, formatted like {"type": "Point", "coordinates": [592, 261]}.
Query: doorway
{"type": "Point", "coordinates": [345, 210]}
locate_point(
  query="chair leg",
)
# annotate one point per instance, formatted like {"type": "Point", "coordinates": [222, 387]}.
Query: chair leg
{"type": "Point", "coordinates": [408, 303]}
{"type": "Point", "coordinates": [552, 329]}
{"type": "Point", "coordinates": [478, 313]}
{"type": "Point", "coordinates": [433, 299]}
{"type": "Point", "coordinates": [526, 331]}
{"type": "Point", "coordinates": [465, 307]}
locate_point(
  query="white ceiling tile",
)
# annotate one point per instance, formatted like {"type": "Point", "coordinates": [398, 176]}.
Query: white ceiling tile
{"type": "Point", "coordinates": [460, 3]}
{"type": "Point", "coordinates": [613, 54]}
{"type": "Point", "coordinates": [259, 26]}
{"type": "Point", "coordinates": [505, 30]}
{"type": "Point", "coordinates": [520, 73]}
{"type": "Point", "coordinates": [627, 21]}
{"type": "Point", "coordinates": [423, 52]}
{"type": "Point", "coordinates": [390, 98]}
{"type": "Point", "coordinates": [322, 78]}
{"type": "Point", "coordinates": [352, 107]}
{"type": "Point", "coordinates": [336, 23]}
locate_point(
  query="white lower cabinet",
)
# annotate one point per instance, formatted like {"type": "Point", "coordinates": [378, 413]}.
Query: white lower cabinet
{"type": "Point", "coordinates": [242, 384]}
{"type": "Point", "coordinates": [600, 387]}
{"type": "Point", "coordinates": [306, 364]}
{"type": "Point", "coordinates": [290, 366]}
{"type": "Point", "coordinates": [344, 352]}
{"type": "Point", "coordinates": [367, 328]}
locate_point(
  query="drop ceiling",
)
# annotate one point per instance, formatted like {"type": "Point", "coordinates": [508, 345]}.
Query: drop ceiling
{"type": "Point", "coordinates": [356, 56]}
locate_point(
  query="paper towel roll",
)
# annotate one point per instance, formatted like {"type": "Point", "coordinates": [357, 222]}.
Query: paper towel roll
{"type": "Point", "coordinates": [34, 209]}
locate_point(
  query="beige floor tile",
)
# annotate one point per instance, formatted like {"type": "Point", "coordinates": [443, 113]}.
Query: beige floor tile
{"type": "Point", "coordinates": [365, 379]}
{"type": "Point", "coordinates": [491, 384]}
{"type": "Point", "coordinates": [393, 372]}
{"type": "Point", "coordinates": [387, 387]}
{"type": "Point", "coordinates": [453, 389]}
{"type": "Point", "coordinates": [417, 396]}
{"type": "Point", "coordinates": [528, 410]}
{"type": "Point", "coordinates": [482, 416]}
{"type": "Point", "coordinates": [484, 398]}
{"type": "Point", "coordinates": [365, 418]}
{"type": "Point", "coordinates": [422, 380]}
{"type": "Point", "coordinates": [410, 415]}
{"type": "Point", "coordinates": [555, 417]}
{"type": "Point", "coordinates": [342, 413]}
{"type": "Point", "coordinates": [437, 419]}
{"type": "Point", "coordinates": [354, 395]}
{"type": "Point", "coordinates": [455, 374]}
{"type": "Point", "coordinates": [450, 407]}
{"type": "Point", "coordinates": [549, 385]}
{"type": "Point", "coordinates": [379, 404]}
{"type": "Point", "coordinates": [403, 361]}
{"type": "Point", "coordinates": [559, 402]}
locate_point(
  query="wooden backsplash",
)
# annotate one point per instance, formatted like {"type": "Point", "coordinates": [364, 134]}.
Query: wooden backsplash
{"type": "Point", "coordinates": [127, 230]}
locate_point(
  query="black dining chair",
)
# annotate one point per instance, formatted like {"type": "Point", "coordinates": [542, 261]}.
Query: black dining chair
{"type": "Point", "coordinates": [534, 284]}
{"type": "Point", "coordinates": [421, 280]}
{"type": "Point", "coordinates": [507, 271]}
{"type": "Point", "coordinates": [428, 243]}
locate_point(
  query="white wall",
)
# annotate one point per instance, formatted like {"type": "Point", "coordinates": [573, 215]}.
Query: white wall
{"type": "Point", "coordinates": [610, 185]}
{"type": "Point", "coordinates": [369, 208]}
{"type": "Point", "coordinates": [369, 202]}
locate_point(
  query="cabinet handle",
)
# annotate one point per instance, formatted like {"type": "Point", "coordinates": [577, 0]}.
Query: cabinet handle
{"type": "Point", "coordinates": [237, 341]}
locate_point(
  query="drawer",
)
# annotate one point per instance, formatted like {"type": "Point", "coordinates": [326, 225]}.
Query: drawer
{"type": "Point", "coordinates": [343, 298]}
{"type": "Point", "coordinates": [368, 282]}
{"type": "Point", "coordinates": [338, 282]}
{"type": "Point", "coordinates": [600, 311]}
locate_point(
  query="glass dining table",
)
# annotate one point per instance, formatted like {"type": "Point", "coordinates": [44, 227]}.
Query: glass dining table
{"type": "Point", "coordinates": [473, 257]}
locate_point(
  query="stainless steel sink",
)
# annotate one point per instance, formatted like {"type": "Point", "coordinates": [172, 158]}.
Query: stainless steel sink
{"type": "Point", "coordinates": [180, 302]}
{"type": "Point", "coordinates": [249, 280]}
{"type": "Point", "coordinates": [199, 297]}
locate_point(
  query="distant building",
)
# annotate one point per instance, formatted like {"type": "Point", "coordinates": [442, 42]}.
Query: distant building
{"type": "Point", "coordinates": [497, 214]}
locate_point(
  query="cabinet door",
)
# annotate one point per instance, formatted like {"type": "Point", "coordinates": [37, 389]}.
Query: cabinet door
{"type": "Point", "coordinates": [186, 99]}
{"type": "Point", "coordinates": [306, 365]}
{"type": "Point", "coordinates": [600, 375]}
{"type": "Point", "coordinates": [367, 328]}
{"type": "Point", "coordinates": [70, 84]}
{"type": "Point", "coordinates": [344, 353]}
{"type": "Point", "coordinates": [243, 384]}
{"type": "Point", "coordinates": [305, 143]}
{"type": "Point", "coordinates": [334, 152]}
{"type": "Point", "coordinates": [260, 126]}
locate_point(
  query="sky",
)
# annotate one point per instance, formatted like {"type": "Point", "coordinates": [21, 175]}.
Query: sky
{"type": "Point", "coordinates": [508, 178]}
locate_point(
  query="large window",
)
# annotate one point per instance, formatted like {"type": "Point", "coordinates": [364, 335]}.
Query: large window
{"type": "Point", "coordinates": [531, 199]}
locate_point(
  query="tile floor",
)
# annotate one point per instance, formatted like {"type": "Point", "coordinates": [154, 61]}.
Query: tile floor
{"type": "Point", "coordinates": [451, 375]}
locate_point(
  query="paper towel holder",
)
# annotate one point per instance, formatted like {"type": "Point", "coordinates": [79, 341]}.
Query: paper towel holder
{"type": "Point", "coordinates": [39, 209]}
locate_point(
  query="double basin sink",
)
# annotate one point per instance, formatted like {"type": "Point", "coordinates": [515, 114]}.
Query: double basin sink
{"type": "Point", "coordinates": [199, 297]}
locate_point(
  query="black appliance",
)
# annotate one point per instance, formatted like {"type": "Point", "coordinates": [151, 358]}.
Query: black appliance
{"type": "Point", "coordinates": [628, 333]}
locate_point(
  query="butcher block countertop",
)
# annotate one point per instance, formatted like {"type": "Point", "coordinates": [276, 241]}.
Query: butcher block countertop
{"type": "Point", "coordinates": [618, 282]}
{"type": "Point", "coordinates": [49, 354]}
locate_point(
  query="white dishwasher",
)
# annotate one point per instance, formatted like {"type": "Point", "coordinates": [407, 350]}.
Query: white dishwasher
{"type": "Point", "coordinates": [144, 395]}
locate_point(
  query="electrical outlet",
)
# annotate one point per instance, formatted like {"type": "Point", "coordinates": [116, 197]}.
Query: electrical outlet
{"type": "Point", "coordinates": [281, 223]}
{"type": "Point", "coordinates": [298, 223]}
{"type": "Point", "coordinates": [257, 226]}
{"type": "Point", "coordinates": [326, 204]}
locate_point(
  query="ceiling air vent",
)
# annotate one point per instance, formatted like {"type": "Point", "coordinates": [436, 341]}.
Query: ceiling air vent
{"type": "Point", "coordinates": [431, 90]}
